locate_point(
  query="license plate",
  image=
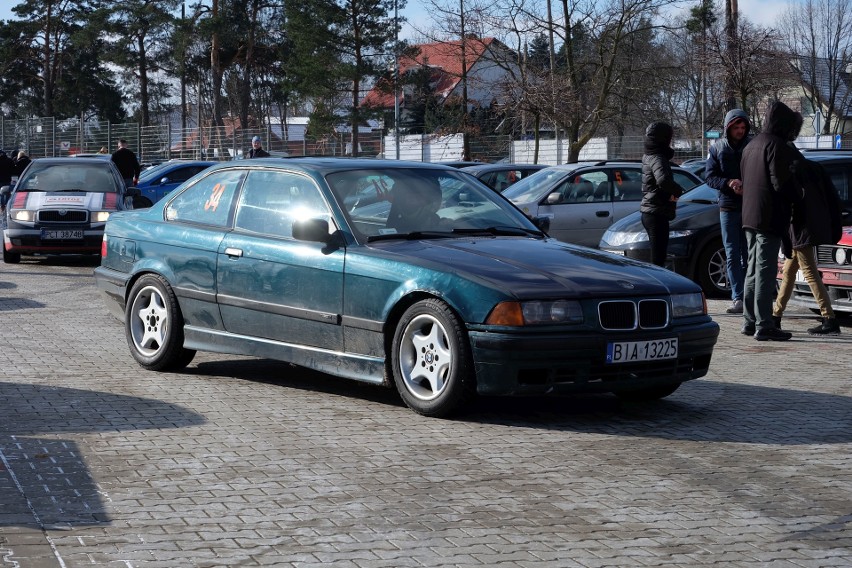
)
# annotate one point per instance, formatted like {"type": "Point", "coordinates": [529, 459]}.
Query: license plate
{"type": "Point", "coordinates": [61, 234]}
{"type": "Point", "coordinates": [632, 351]}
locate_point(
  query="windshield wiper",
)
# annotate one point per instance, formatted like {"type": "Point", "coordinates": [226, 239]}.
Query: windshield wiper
{"type": "Point", "coordinates": [501, 231]}
{"type": "Point", "coordinates": [701, 201]}
{"type": "Point", "coordinates": [70, 189]}
{"type": "Point", "coordinates": [412, 236]}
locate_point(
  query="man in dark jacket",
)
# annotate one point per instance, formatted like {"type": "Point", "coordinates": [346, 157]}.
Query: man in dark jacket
{"type": "Point", "coordinates": [768, 188]}
{"type": "Point", "coordinates": [723, 174]}
{"type": "Point", "coordinates": [257, 150]}
{"type": "Point", "coordinates": [659, 190]}
{"type": "Point", "coordinates": [127, 164]}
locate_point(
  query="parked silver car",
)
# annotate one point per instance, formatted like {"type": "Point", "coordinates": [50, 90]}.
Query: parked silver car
{"type": "Point", "coordinates": [583, 199]}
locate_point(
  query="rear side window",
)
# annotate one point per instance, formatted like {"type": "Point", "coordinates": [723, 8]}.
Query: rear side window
{"type": "Point", "coordinates": [207, 202]}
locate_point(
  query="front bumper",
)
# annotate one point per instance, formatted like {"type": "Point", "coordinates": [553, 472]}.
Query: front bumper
{"type": "Point", "coordinates": [30, 241]}
{"type": "Point", "coordinates": [509, 364]}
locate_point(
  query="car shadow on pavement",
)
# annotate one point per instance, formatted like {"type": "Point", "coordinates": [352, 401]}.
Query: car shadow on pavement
{"type": "Point", "coordinates": [701, 410]}
{"type": "Point", "coordinates": [44, 480]}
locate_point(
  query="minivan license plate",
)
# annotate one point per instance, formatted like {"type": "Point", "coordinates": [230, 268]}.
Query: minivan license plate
{"type": "Point", "coordinates": [632, 351]}
{"type": "Point", "coordinates": [61, 234]}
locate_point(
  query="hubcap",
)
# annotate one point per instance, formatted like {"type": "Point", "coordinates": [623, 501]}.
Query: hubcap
{"type": "Point", "coordinates": [149, 321]}
{"type": "Point", "coordinates": [425, 358]}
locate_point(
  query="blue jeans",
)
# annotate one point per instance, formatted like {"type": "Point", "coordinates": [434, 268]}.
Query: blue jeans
{"type": "Point", "coordinates": [759, 292]}
{"type": "Point", "coordinates": [734, 241]}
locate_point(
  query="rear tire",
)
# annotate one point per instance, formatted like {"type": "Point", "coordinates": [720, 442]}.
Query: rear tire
{"type": "Point", "coordinates": [153, 325]}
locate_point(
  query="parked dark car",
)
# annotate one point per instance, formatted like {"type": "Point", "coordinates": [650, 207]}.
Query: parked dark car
{"type": "Point", "coordinates": [583, 200]}
{"type": "Point", "coordinates": [158, 181]}
{"type": "Point", "coordinates": [695, 238]}
{"type": "Point", "coordinates": [60, 206]}
{"type": "Point", "coordinates": [500, 176]}
{"type": "Point", "coordinates": [696, 166]}
{"type": "Point", "coordinates": [448, 292]}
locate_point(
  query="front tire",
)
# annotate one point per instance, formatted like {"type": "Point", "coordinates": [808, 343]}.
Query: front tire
{"type": "Point", "coordinates": [712, 271]}
{"type": "Point", "coordinates": [431, 360]}
{"type": "Point", "coordinates": [647, 394]}
{"type": "Point", "coordinates": [9, 257]}
{"type": "Point", "coordinates": [153, 325]}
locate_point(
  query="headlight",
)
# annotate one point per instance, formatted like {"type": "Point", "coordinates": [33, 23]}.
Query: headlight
{"type": "Point", "coordinates": [686, 305]}
{"type": "Point", "coordinates": [618, 238]}
{"type": "Point", "coordinates": [841, 256]}
{"type": "Point", "coordinates": [100, 216]}
{"type": "Point", "coordinates": [23, 215]}
{"type": "Point", "coordinates": [678, 234]}
{"type": "Point", "coordinates": [536, 313]}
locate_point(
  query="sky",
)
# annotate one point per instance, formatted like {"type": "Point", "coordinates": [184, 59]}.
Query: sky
{"type": "Point", "coordinates": [761, 12]}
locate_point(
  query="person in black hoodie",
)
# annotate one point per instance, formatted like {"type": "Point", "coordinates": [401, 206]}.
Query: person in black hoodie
{"type": "Point", "coordinates": [723, 174]}
{"type": "Point", "coordinates": [659, 190]}
{"type": "Point", "coordinates": [769, 187]}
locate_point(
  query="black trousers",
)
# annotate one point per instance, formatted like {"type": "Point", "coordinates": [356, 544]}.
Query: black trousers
{"type": "Point", "coordinates": [658, 234]}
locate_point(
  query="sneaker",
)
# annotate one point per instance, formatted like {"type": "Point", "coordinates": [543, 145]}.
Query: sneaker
{"type": "Point", "coordinates": [736, 307]}
{"type": "Point", "coordinates": [828, 326]}
{"type": "Point", "coordinates": [747, 329]}
{"type": "Point", "coordinates": [772, 334]}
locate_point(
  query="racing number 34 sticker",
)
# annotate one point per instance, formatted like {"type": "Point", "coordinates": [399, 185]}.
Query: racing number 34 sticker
{"type": "Point", "coordinates": [215, 195]}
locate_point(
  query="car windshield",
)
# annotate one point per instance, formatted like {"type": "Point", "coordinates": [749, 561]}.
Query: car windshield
{"type": "Point", "coordinates": [396, 203]}
{"type": "Point", "coordinates": [701, 192]}
{"type": "Point", "coordinates": [533, 187]}
{"type": "Point", "coordinates": [154, 172]}
{"type": "Point", "coordinates": [76, 176]}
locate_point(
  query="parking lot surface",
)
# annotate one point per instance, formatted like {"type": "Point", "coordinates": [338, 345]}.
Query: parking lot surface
{"type": "Point", "coordinates": [246, 462]}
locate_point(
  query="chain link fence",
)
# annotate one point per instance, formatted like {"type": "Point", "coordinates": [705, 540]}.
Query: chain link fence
{"type": "Point", "coordinates": [41, 137]}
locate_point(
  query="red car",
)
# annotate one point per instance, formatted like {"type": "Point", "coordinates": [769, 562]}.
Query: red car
{"type": "Point", "coordinates": [835, 266]}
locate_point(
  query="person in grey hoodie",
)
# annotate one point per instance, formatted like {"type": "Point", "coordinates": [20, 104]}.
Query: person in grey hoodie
{"type": "Point", "coordinates": [723, 174]}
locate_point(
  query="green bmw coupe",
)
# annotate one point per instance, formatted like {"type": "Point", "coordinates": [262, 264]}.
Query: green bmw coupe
{"type": "Point", "coordinates": [396, 273]}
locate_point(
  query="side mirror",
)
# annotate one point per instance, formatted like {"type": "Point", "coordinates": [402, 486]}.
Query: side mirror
{"type": "Point", "coordinates": [543, 223]}
{"type": "Point", "coordinates": [312, 230]}
{"type": "Point", "coordinates": [6, 190]}
{"type": "Point", "coordinates": [164, 181]}
{"type": "Point", "coordinates": [554, 198]}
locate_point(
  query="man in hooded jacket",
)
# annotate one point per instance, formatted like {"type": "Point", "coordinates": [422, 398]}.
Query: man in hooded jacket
{"type": "Point", "coordinates": [659, 190]}
{"type": "Point", "coordinates": [723, 174]}
{"type": "Point", "coordinates": [769, 187]}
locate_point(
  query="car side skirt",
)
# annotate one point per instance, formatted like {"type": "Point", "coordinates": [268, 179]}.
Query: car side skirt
{"type": "Point", "coordinates": [348, 365]}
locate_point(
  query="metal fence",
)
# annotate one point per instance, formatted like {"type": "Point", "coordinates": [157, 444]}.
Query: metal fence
{"type": "Point", "coordinates": [41, 137]}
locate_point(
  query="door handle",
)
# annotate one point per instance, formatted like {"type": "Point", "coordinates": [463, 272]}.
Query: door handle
{"type": "Point", "coordinates": [602, 213]}
{"type": "Point", "coordinates": [234, 252]}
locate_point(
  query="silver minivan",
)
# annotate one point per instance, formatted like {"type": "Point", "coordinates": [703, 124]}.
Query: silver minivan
{"type": "Point", "coordinates": [583, 199]}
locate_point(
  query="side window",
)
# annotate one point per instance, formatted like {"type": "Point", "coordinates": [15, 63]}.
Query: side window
{"type": "Point", "coordinates": [684, 181]}
{"type": "Point", "coordinates": [183, 174]}
{"type": "Point", "coordinates": [840, 175]}
{"type": "Point", "coordinates": [628, 184]}
{"type": "Point", "coordinates": [208, 202]}
{"type": "Point", "coordinates": [272, 201]}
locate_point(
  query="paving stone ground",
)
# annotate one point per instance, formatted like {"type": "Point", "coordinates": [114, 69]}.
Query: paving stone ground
{"type": "Point", "coordinates": [246, 462]}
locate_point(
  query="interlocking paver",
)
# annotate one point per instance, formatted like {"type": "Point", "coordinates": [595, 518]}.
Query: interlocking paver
{"type": "Point", "coordinates": [238, 461]}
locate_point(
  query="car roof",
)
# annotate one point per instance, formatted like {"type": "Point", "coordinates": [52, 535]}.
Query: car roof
{"type": "Point", "coordinates": [326, 165]}
{"type": "Point", "coordinates": [503, 166]}
{"type": "Point", "coordinates": [75, 160]}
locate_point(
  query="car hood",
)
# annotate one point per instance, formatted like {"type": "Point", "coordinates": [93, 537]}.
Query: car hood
{"type": "Point", "coordinates": [93, 201]}
{"type": "Point", "coordinates": [689, 215]}
{"type": "Point", "coordinates": [530, 268]}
